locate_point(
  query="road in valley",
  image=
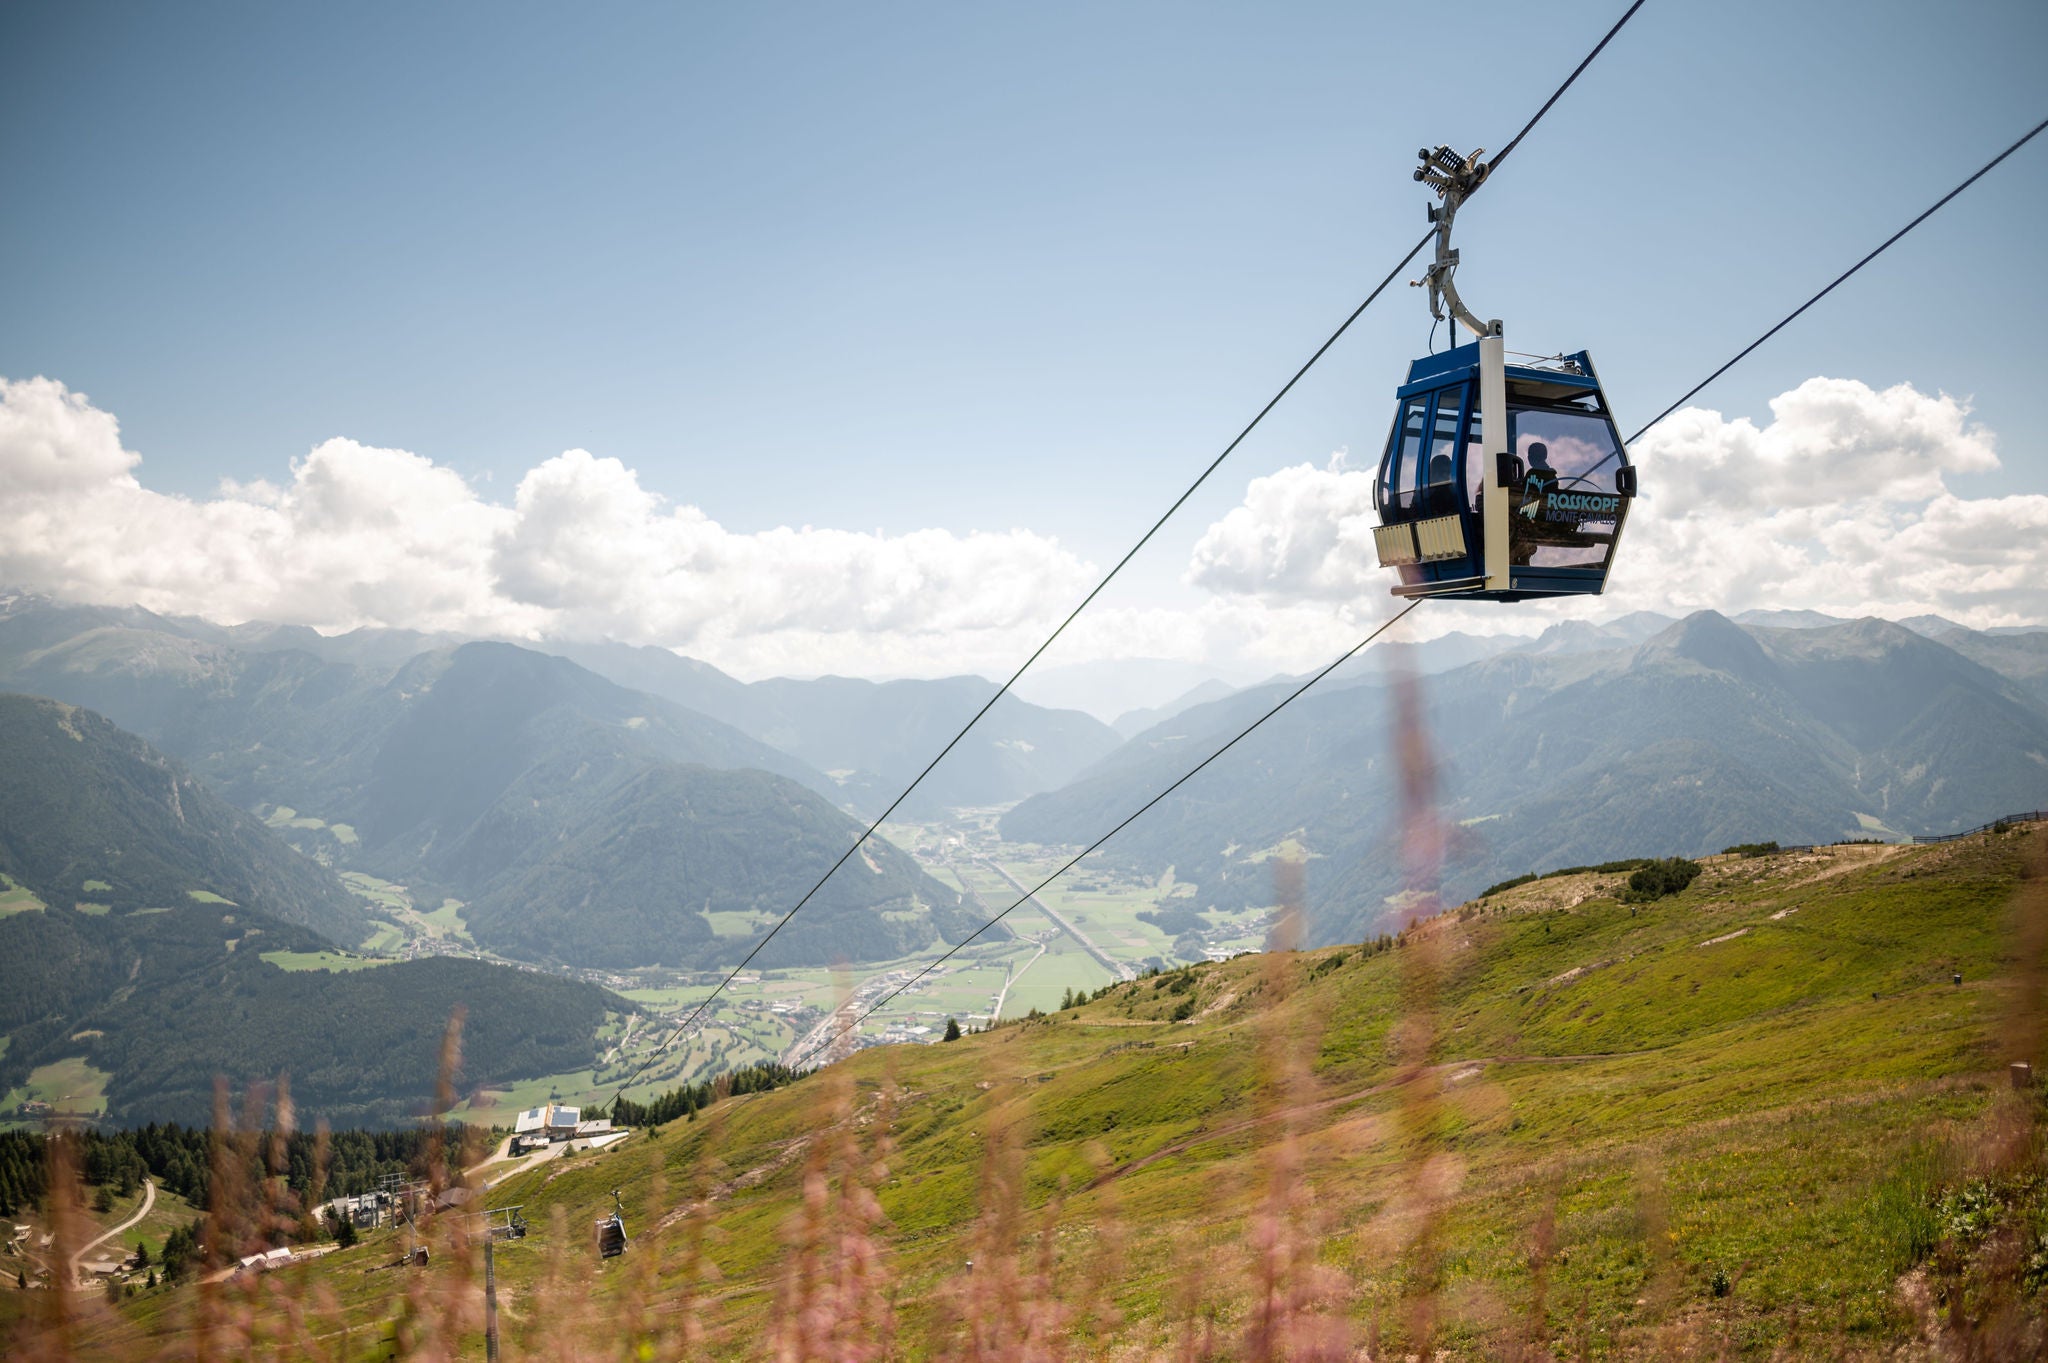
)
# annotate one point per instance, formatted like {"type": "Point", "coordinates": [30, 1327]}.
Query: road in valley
{"type": "Point", "coordinates": [1114, 967]}
{"type": "Point", "coordinates": [995, 1014]}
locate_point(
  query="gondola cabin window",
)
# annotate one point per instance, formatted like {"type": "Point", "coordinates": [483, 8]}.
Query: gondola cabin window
{"type": "Point", "coordinates": [1408, 458]}
{"type": "Point", "coordinates": [1440, 475]}
{"type": "Point", "coordinates": [1568, 507]}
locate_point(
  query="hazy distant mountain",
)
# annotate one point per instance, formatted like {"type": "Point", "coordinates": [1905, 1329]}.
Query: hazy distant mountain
{"type": "Point", "coordinates": [489, 750]}
{"type": "Point", "coordinates": [1787, 619]}
{"type": "Point", "coordinates": [875, 737]}
{"type": "Point", "coordinates": [1582, 636]}
{"type": "Point", "coordinates": [36, 621]}
{"type": "Point", "coordinates": [1134, 722]}
{"type": "Point", "coordinates": [376, 650]}
{"type": "Point", "coordinates": [1933, 626]}
{"type": "Point", "coordinates": [1110, 687]}
{"type": "Point", "coordinates": [90, 814]}
{"type": "Point", "coordinates": [665, 673]}
{"type": "Point", "coordinates": [1705, 735]}
{"type": "Point", "coordinates": [2019, 656]}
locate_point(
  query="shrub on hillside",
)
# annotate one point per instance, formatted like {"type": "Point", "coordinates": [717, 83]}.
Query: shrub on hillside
{"type": "Point", "coordinates": [1656, 879]}
{"type": "Point", "coordinates": [1750, 849]}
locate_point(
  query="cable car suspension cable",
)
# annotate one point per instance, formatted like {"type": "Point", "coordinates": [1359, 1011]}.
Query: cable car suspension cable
{"type": "Point", "coordinates": [1457, 178]}
{"type": "Point", "coordinates": [1110, 576]}
{"type": "Point", "coordinates": [1003, 690]}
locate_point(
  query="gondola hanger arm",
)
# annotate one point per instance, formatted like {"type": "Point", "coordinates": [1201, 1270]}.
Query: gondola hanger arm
{"type": "Point", "coordinates": [1454, 178]}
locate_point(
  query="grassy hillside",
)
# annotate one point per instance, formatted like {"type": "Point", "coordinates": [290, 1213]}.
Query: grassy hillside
{"type": "Point", "coordinates": [1757, 1118]}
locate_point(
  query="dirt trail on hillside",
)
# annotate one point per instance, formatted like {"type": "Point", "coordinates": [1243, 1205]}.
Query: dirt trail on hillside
{"type": "Point", "coordinates": [1853, 861]}
{"type": "Point", "coordinates": [148, 1201]}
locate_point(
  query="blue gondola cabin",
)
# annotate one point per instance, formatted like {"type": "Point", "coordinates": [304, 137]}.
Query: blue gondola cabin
{"type": "Point", "coordinates": [1501, 482]}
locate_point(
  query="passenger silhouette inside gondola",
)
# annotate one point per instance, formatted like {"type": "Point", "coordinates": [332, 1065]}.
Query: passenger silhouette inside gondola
{"type": "Point", "coordinates": [1443, 494]}
{"type": "Point", "coordinates": [1542, 478]}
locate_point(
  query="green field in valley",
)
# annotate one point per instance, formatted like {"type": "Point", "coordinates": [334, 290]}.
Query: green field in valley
{"type": "Point", "coordinates": [384, 937]}
{"type": "Point", "coordinates": [16, 899]}
{"type": "Point", "coordinates": [68, 1086]}
{"type": "Point", "coordinates": [1063, 967]}
{"type": "Point", "coordinates": [284, 816]}
{"type": "Point", "coordinates": [447, 920]}
{"type": "Point", "coordinates": [379, 892]}
{"type": "Point", "coordinates": [321, 960]}
{"type": "Point", "coordinates": [403, 921]}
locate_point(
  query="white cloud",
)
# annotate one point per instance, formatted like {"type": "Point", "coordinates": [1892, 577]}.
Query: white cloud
{"type": "Point", "coordinates": [1830, 441]}
{"type": "Point", "coordinates": [363, 536]}
{"type": "Point", "coordinates": [588, 542]}
{"type": "Point", "coordinates": [1838, 504]}
{"type": "Point", "coordinates": [1303, 533]}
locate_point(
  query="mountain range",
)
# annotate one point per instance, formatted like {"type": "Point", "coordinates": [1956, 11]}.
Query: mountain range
{"type": "Point", "coordinates": [602, 805]}
{"type": "Point", "coordinates": [873, 738]}
{"type": "Point", "coordinates": [495, 775]}
{"type": "Point", "coordinates": [1583, 746]}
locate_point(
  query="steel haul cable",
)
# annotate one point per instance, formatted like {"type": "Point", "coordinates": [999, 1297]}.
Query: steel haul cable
{"type": "Point", "coordinates": [1110, 576]}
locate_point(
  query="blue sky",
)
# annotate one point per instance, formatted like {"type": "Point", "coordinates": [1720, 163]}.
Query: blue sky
{"type": "Point", "coordinates": [980, 268]}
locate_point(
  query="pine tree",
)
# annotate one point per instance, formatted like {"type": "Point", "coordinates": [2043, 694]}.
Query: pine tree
{"type": "Point", "coordinates": [952, 1029]}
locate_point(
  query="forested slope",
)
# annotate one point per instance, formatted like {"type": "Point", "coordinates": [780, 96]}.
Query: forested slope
{"type": "Point", "coordinates": [628, 880]}
{"type": "Point", "coordinates": [90, 814]}
{"type": "Point", "coordinates": [165, 1001]}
